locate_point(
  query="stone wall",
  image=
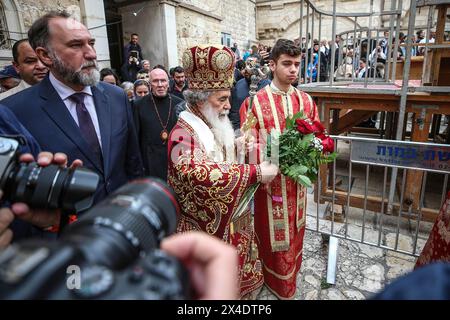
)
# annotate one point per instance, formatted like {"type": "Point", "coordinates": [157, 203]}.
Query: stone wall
{"type": "Point", "coordinates": [204, 21]}
{"type": "Point", "coordinates": [239, 18]}
{"type": "Point", "coordinates": [31, 10]}
{"type": "Point", "coordinates": [20, 15]}
{"type": "Point", "coordinates": [194, 28]}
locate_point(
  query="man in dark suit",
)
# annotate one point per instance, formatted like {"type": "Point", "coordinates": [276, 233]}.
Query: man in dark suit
{"type": "Point", "coordinates": [70, 111]}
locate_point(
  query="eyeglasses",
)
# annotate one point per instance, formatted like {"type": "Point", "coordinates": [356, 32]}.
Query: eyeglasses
{"type": "Point", "coordinates": [159, 81]}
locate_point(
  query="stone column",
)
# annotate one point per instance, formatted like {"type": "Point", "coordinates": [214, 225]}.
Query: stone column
{"type": "Point", "coordinates": [93, 16]}
{"type": "Point", "coordinates": [169, 33]}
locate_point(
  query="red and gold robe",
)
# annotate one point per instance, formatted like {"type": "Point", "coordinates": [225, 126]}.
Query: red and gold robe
{"type": "Point", "coordinates": [437, 247]}
{"type": "Point", "coordinates": [209, 185]}
{"type": "Point", "coordinates": [280, 210]}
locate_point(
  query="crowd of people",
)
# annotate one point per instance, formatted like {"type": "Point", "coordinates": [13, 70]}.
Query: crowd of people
{"type": "Point", "coordinates": [182, 126]}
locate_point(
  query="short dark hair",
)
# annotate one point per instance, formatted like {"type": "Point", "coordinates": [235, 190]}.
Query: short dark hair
{"type": "Point", "coordinates": [284, 46]}
{"type": "Point", "coordinates": [134, 34]}
{"type": "Point", "coordinates": [15, 49]}
{"type": "Point", "coordinates": [178, 69]}
{"type": "Point", "coordinates": [108, 72]}
{"type": "Point", "coordinates": [240, 64]}
{"type": "Point", "coordinates": [39, 33]}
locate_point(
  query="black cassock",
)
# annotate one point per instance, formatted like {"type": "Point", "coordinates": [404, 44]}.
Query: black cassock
{"type": "Point", "coordinates": [150, 128]}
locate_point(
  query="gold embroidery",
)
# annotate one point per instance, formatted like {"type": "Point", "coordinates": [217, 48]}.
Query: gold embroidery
{"type": "Point", "coordinates": [283, 244]}
{"type": "Point", "coordinates": [208, 192]}
{"type": "Point", "coordinates": [215, 175]}
{"type": "Point", "coordinates": [301, 206]}
{"type": "Point", "coordinates": [261, 124]}
{"type": "Point", "coordinates": [300, 100]}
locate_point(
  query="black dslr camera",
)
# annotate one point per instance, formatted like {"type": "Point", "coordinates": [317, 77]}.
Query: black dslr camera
{"type": "Point", "coordinates": [48, 187]}
{"type": "Point", "coordinates": [111, 252]}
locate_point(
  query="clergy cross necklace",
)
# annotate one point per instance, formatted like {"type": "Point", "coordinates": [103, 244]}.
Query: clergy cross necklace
{"type": "Point", "coordinates": [164, 133]}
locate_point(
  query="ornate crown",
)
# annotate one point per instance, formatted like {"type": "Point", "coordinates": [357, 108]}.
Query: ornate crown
{"type": "Point", "coordinates": [209, 67]}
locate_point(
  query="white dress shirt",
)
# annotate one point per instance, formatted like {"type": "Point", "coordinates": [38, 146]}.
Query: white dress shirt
{"type": "Point", "coordinates": [65, 92]}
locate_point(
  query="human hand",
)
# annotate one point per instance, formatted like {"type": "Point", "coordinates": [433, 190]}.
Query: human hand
{"type": "Point", "coordinates": [268, 171]}
{"type": "Point", "coordinates": [6, 218]}
{"type": "Point", "coordinates": [47, 158]}
{"type": "Point", "coordinates": [244, 143]}
{"type": "Point", "coordinates": [211, 263]}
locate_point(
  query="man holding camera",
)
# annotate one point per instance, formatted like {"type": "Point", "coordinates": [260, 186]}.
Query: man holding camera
{"type": "Point", "coordinates": [203, 167]}
{"type": "Point", "coordinates": [132, 54]}
{"type": "Point", "coordinates": [70, 111]}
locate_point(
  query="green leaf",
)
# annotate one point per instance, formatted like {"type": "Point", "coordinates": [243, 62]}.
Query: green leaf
{"type": "Point", "coordinates": [298, 115]}
{"type": "Point", "coordinates": [289, 123]}
{"type": "Point", "coordinates": [304, 180]}
{"type": "Point", "coordinates": [298, 169]}
{"type": "Point", "coordinates": [308, 137]}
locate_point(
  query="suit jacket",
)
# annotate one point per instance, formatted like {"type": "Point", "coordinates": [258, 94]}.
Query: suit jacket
{"type": "Point", "coordinates": [41, 110]}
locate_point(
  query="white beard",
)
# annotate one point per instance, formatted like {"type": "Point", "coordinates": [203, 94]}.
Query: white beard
{"type": "Point", "coordinates": [222, 130]}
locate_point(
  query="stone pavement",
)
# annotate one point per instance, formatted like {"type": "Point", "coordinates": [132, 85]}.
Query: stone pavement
{"type": "Point", "coordinates": [362, 270]}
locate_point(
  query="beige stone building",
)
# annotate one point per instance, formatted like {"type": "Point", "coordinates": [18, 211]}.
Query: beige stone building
{"type": "Point", "coordinates": [16, 16]}
{"type": "Point", "coordinates": [167, 27]}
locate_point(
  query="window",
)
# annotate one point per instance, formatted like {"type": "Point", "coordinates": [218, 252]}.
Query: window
{"type": "Point", "coordinates": [5, 42]}
{"type": "Point", "coordinates": [226, 39]}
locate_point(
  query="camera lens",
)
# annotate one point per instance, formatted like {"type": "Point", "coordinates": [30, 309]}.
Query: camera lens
{"type": "Point", "coordinates": [133, 219]}
{"type": "Point", "coordinates": [51, 187]}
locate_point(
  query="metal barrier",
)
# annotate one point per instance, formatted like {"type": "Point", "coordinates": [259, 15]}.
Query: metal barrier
{"type": "Point", "coordinates": [417, 160]}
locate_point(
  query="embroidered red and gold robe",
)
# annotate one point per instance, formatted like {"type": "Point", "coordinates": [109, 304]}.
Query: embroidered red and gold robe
{"type": "Point", "coordinates": [209, 187]}
{"type": "Point", "coordinates": [280, 211]}
{"type": "Point", "coordinates": [437, 247]}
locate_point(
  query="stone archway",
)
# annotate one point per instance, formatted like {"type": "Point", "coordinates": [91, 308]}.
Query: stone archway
{"type": "Point", "coordinates": [15, 29]}
{"type": "Point", "coordinates": [14, 19]}
{"type": "Point", "coordinates": [293, 29]}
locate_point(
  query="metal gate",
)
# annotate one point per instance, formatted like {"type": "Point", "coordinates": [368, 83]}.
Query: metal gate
{"type": "Point", "coordinates": [421, 174]}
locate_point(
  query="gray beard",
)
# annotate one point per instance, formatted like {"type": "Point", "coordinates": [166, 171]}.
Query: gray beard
{"type": "Point", "coordinates": [77, 77]}
{"type": "Point", "coordinates": [222, 130]}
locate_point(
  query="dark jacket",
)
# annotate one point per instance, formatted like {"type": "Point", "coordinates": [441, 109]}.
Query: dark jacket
{"type": "Point", "coordinates": [238, 94]}
{"type": "Point", "coordinates": [174, 91]}
{"type": "Point", "coordinates": [11, 127]}
{"type": "Point", "coordinates": [131, 47]}
{"type": "Point", "coordinates": [149, 128]}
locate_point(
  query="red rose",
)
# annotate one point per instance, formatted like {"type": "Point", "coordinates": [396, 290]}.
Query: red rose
{"type": "Point", "coordinates": [327, 143]}
{"type": "Point", "coordinates": [303, 126]}
{"type": "Point", "coordinates": [318, 127]}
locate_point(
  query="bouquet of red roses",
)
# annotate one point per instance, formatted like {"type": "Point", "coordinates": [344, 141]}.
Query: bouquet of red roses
{"type": "Point", "coordinates": [303, 147]}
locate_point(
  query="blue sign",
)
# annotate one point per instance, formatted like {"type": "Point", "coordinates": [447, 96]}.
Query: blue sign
{"type": "Point", "coordinates": [424, 156]}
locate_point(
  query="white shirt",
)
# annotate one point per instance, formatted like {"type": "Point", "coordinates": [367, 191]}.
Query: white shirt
{"type": "Point", "coordinates": [65, 92]}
